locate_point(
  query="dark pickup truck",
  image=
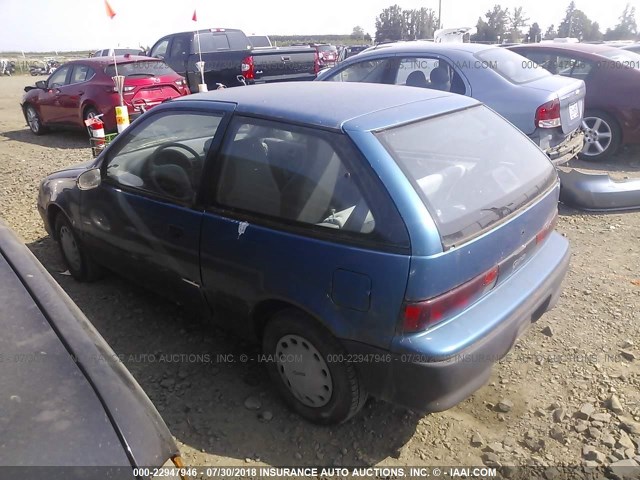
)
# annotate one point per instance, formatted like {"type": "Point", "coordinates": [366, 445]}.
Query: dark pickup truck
{"type": "Point", "coordinates": [229, 57]}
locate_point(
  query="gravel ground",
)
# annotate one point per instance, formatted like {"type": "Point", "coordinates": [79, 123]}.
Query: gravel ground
{"type": "Point", "coordinates": [568, 394]}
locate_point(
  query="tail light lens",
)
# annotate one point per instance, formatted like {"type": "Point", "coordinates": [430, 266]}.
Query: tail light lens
{"type": "Point", "coordinates": [547, 229]}
{"type": "Point", "coordinates": [247, 68]}
{"type": "Point", "coordinates": [419, 316]}
{"type": "Point", "coordinates": [316, 63]}
{"type": "Point", "coordinates": [548, 114]}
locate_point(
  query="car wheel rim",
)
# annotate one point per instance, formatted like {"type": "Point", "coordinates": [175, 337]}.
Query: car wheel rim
{"type": "Point", "coordinates": [597, 136]}
{"type": "Point", "coordinates": [70, 248]}
{"type": "Point", "coordinates": [32, 119]}
{"type": "Point", "coordinates": [304, 371]}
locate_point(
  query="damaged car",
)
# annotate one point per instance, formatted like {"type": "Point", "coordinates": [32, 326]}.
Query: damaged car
{"type": "Point", "coordinates": [371, 238]}
{"type": "Point", "coordinates": [547, 108]}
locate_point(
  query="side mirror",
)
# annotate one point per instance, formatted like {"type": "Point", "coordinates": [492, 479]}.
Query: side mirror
{"type": "Point", "coordinates": [41, 84]}
{"type": "Point", "coordinates": [89, 180]}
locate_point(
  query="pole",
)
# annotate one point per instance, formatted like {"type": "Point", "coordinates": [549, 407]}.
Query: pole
{"type": "Point", "coordinates": [439, 14]}
{"type": "Point", "coordinates": [200, 56]}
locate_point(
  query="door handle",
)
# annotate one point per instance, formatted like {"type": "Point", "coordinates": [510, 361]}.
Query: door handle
{"type": "Point", "coordinates": [175, 231]}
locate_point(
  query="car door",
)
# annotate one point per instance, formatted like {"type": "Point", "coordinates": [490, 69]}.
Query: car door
{"type": "Point", "coordinates": [296, 216]}
{"type": "Point", "coordinates": [71, 95]}
{"type": "Point", "coordinates": [143, 221]}
{"type": "Point", "coordinates": [50, 107]}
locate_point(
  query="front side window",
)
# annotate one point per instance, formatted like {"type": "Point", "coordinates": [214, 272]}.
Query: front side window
{"type": "Point", "coordinates": [471, 168]}
{"type": "Point", "coordinates": [427, 72]}
{"type": "Point", "coordinates": [292, 174]}
{"type": "Point", "coordinates": [59, 77]}
{"type": "Point", "coordinates": [371, 71]}
{"type": "Point", "coordinates": [165, 155]}
{"type": "Point", "coordinates": [160, 50]}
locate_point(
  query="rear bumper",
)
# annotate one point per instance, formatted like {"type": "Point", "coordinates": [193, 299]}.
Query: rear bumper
{"type": "Point", "coordinates": [568, 149]}
{"type": "Point", "coordinates": [419, 375]}
{"type": "Point", "coordinates": [598, 192]}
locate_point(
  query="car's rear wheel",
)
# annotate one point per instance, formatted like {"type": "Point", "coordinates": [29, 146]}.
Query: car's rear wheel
{"type": "Point", "coordinates": [80, 265]}
{"type": "Point", "coordinates": [310, 369]}
{"type": "Point", "coordinates": [34, 120]}
{"type": "Point", "coordinates": [602, 136]}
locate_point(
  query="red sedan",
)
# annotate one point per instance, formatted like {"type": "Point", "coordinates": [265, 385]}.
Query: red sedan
{"type": "Point", "coordinates": [81, 89]}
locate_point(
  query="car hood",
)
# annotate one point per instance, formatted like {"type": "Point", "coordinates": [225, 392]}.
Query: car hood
{"type": "Point", "coordinates": [74, 402]}
{"type": "Point", "coordinates": [47, 405]}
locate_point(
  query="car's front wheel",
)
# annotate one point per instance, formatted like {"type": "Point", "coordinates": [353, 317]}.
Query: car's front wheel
{"type": "Point", "coordinates": [80, 265]}
{"type": "Point", "coordinates": [602, 136]}
{"type": "Point", "coordinates": [310, 369]}
{"type": "Point", "coordinates": [34, 120]}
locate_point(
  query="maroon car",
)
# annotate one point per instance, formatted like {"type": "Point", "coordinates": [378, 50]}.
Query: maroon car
{"type": "Point", "coordinates": [612, 102]}
{"type": "Point", "coordinates": [81, 89]}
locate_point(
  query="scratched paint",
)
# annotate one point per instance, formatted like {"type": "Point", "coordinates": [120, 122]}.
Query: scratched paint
{"type": "Point", "coordinates": [242, 227]}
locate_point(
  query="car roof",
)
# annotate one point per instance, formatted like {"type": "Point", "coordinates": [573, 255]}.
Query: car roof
{"type": "Point", "coordinates": [419, 45]}
{"type": "Point", "coordinates": [594, 48]}
{"type": "Point", "coordinates": [325, 104]}
{"type": "Point", "coordinates": [108, 60]}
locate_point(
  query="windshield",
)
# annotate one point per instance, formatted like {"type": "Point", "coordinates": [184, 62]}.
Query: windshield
{"type": "Point", "coordinates": [471, 168]}
{"type": "Point", "coordinates": [511, 66]}
{"type": "Point", "coordinates": [143, 68]}
{"type": "Point", "coordinates": [623, 58]}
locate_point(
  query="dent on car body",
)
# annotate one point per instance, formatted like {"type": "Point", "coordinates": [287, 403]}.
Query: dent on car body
{"type": "Point", "coordinates": [598, 192]}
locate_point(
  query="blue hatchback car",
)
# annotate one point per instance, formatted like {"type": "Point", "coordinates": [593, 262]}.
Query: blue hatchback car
{"type": "Point", "coordinates": [376, 240]}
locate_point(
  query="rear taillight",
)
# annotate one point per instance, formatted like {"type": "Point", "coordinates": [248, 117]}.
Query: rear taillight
{"type": "Point", "coordinates": [247, 68]}
{"type": "Point", "coordinates": [316, 63]}
{"type": "Point", "coordinates": [547, 229]}
{"type": "Point", "coordinates": [548, 114]}
{"type": "Point", "coordinates": [419, 316]}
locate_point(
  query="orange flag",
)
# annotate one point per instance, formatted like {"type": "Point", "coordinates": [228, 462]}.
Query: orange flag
{"type": "Point", "coordinates": [195, 17]}
{"type": "Point", "coordinates": [109, 10]}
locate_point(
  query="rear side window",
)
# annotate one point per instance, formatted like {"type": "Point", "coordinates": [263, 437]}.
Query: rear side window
{"type": "Point", "coordinates": [510, 65]}
{"type": "Point", "coordinates": [291, 174]}
{"type": "Point", "coordinates": [145, 68]}
{"type": "Point", "coordinates": [471, 168]}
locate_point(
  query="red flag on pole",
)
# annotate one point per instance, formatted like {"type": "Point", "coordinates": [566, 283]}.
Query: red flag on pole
{"type": "Point", "coordinates": [195, 17]}
{"type": "Point", "coordinates": [109, 10]}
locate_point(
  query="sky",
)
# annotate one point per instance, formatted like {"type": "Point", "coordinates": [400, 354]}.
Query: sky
{"type": "Point", "coordinates": [50, 25]}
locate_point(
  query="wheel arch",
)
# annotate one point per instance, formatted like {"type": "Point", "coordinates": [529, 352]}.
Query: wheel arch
{"type": "Point", "coordinates": [265, 309]}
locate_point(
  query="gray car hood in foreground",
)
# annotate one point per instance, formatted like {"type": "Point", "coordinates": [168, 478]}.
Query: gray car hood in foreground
{"type": "Point", "coordinates": [63, 400]}
{"type": "Point", "coordinates": [598, 192]}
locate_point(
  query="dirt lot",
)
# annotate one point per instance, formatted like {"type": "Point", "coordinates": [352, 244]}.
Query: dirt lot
{"type": "Point", "coordinates": [545, 402]}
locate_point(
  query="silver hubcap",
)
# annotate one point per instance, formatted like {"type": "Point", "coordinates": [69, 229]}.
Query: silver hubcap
{"type": "Point", "coordinates": [70, 248]}
{"type": "Point", "coordinates": [32, 119]}
{"type": "Point", "coordinates": [304, 371]}
{"type": "Point", "coordinates": [597, 135]}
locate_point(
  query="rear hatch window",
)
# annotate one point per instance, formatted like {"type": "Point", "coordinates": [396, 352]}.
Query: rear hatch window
{"type": "Point", "coordinates": [144, 68]}
{"type": "Point", "coordinates": [471, 168]}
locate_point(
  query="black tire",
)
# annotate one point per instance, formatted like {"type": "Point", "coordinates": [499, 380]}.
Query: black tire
{"type": "Point", "coordinates": [346, 394]}
{"type": "Point", "coordinates": [80, 265]}
{"type": "Point", "coordinates": [34, 121]}
{"type": "Point", "coordinates": [88, 113]}
{"type": "Point", "coordinates": [602, 136]}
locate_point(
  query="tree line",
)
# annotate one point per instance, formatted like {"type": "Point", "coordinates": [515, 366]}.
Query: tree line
{"type": "Point", "coordinates": [502, 25]}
